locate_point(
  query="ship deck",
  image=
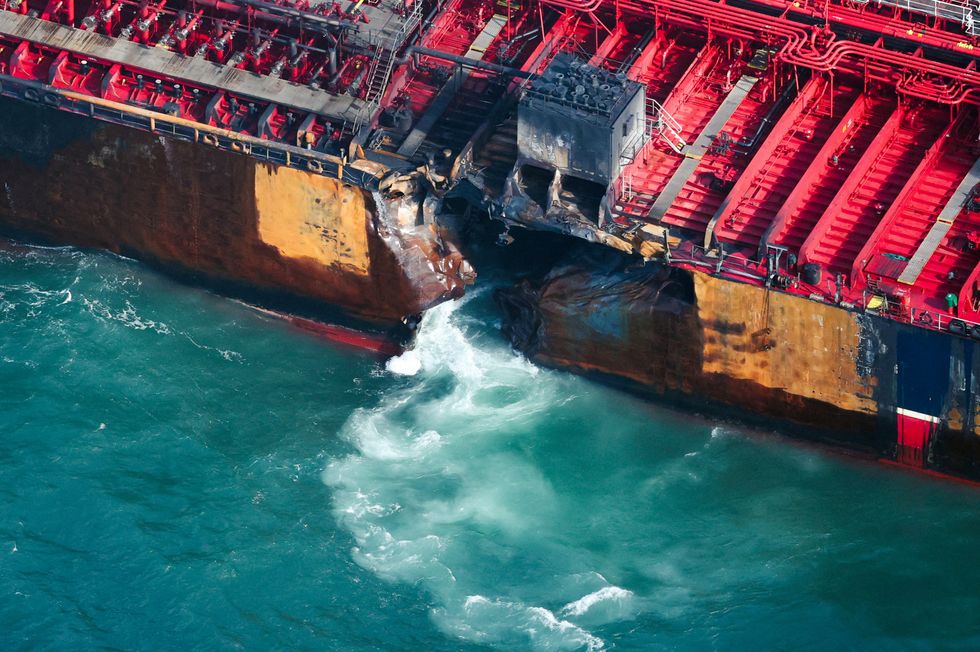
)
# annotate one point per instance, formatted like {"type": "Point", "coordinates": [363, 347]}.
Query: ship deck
{"type": "Point", "coordinates": [836, 162]}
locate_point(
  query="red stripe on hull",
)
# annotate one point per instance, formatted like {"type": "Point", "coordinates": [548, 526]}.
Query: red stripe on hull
{"type": "Point", "coordinates": [914, 432]}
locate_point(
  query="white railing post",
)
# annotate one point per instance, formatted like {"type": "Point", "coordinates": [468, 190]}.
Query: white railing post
{"type": "Point", "coordinates": [664, 124]}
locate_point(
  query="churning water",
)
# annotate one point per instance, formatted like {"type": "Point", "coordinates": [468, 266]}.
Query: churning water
{"type": "Point", "coordinates": [177, 471]}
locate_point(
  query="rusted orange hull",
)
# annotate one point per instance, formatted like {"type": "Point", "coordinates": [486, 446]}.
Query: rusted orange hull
{"type": "Point", "coordinates": [861, 381]}
{"type": "Point", "coordinates": [216, 215]}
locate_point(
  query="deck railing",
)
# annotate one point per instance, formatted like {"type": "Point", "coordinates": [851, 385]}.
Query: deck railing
{"type": "Point", "coordinates": [754, 271]}
{"type": "Point", "coordinates": [960, 12]}
{"type": "Point", "coordinates": [181, 129]}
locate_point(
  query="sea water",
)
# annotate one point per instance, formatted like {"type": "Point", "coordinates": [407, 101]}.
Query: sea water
{"type": "Point", "coordinates": [178, 471]}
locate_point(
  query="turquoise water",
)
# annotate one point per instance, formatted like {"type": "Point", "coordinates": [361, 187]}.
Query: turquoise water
{"type": "Point", "coordinates": [180, 472]}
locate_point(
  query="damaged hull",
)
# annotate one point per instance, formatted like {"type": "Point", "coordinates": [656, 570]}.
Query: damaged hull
{"type": "Point", "coordinates": [861, 381]}
{"type": "Point", "coordinates": [217, 216]}
{"type": "Point", "coordinates": [772, 285]}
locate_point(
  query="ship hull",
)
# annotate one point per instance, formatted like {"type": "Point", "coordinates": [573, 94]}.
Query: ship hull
{"type": "Point", "coordinates": [216, 216]}
{"type": "Point", "coordinates": [858, 380]}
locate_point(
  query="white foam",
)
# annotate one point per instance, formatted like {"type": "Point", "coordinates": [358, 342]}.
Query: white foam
{"type": "Point", "coordinates": [127, 316]}
{"type": "Point", "coordinates": [621, 598]}
{"type": "Point", "coordinates": [473, 600]}
{"type": "Point", "coordinates": [572, 636]}
{"type": "Point", "coordinates": [429, 439]}
{"type": "Point", "coordinates": [407, 364]}
{"type": "Point", "coordinates": [438, 486]}
{"type": "Point", "coordinates": [495, 621]}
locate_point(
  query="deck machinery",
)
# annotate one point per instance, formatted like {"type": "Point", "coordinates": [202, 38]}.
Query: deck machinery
{"type": "Point", "coordinates": [827, 149]}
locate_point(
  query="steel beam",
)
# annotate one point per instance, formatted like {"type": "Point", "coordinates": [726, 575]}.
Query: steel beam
{"type": "Point", "coordinates": [774, 144]}
{"type": "Point", "coordinates": [944, 221]}
{"type": "Point", "coordinates": [821, 162]}
{"type": "Point", "coordinates": [851, 185]}
{"type": "Point", "coordinates": [694, 152]}
{"type": "Point", "coordinates": [894, 212]}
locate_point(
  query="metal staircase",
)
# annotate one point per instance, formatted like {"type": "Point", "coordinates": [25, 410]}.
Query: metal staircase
{"type": "Point", "coordinates": [662, 124]}
{"type": "Point", "coordinates": [387, 49]}
{"type": "Point", "coordinates": [659, 124]}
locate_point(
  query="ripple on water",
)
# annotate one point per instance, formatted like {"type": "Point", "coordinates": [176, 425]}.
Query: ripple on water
{"type": "Point", "coordinates": [442, 497]}
{"type": "Point", "coordinates": [155, 489]}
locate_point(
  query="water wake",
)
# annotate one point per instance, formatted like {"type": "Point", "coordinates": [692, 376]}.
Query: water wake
{"type": "Point", "coordinates": [439, 494]}
{"type": "Point", "coordinates": [52, 285]}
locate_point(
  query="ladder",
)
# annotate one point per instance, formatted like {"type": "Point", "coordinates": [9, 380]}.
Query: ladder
{"type": "Point", "coordinates": [380, 74]}
{"type": "Point", "coordinates": [627, 193]}
{"type": "Point", "coordinates": [661, 123]}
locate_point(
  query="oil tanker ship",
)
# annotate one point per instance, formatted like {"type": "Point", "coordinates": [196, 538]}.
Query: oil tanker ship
{"type": "Point", "coordinates": [781, 196]}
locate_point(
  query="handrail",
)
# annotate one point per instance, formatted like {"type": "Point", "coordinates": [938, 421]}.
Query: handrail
{"type": "Point", "coordinates": [360, 172]}
{"type": "Point", "coordinates": [377, 83]}
{"type": "Point", "coordinates": [666, 126]}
